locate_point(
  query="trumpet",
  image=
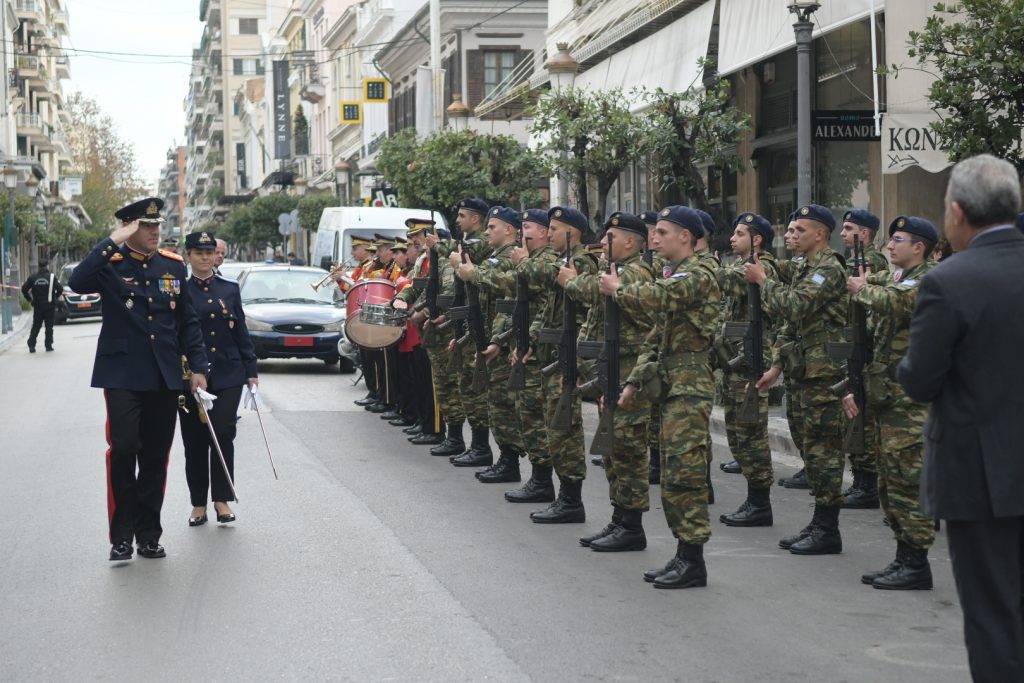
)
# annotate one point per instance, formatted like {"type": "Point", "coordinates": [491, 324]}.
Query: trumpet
{"type": "Point", "coordinates": [327, 278]}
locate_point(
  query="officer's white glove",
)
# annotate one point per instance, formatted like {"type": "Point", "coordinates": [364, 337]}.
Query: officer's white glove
{"type": "Point", "coordinates": [252, 399]}
{"type": "Point", "coordinates": [206, 398]}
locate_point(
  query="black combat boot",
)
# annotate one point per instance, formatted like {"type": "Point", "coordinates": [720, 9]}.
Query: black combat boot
{"type": "Point", "coordinates": [687, 568]}
{"type": "Point", "coordinates": [787, 542]}
{"type": "Point", "coordinates": [824, 538]}
{"type": "Point", "coordinates": [797, 481]}
{"type": "Point", "coordinates": [755, 511]}
{"type": "Point", "coordinates": [599, 461]}
{"type": "Point", "coordinates": [629, 535]}
{"type": "Point", "coordinates": [453, 443]}
{"type": "Point", "coordinates": [864, 497]}
{"type": "Point", "coordinates": [537, 489]}
{"type": "Point", "coordinates": [868, 578]}
{"type": "Point", "coordinates": [731, 467]}
{"type": "Point", "coordinates": [913, 573]}
{"type": "Point", "coordinates": [616, 521]}
{"type": "Point", "coordinates": [506, 469]}
{"type": "Point", "coordinates": [567, 508]}
{"type": "Point", "coordinates": [479, 452]}
{"type": "Point", "coordinates": [654, 467]}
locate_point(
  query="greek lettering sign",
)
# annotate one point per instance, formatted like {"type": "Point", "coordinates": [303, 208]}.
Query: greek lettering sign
{"type": "Point", "coordinates": [844, 126]}
{"type": "Point", "coordinates": [908, 140]}
{"type": "Point", "coordinates": [282, 111]}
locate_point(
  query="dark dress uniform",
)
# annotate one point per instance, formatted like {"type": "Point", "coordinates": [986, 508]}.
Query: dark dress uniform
{"type": "Point", "coordinates": [42, 290]}
{"type": "Point", "coordinates": [218, 304]}
{"type": "Point", "coordinates": [148, 324]}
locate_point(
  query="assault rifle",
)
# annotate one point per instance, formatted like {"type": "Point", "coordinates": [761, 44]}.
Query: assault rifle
{"type": "Point", "coordinates": [521, 327]}
{"type": "Point", "coordinates": [433, 289]}
{"type": "Point", "coordinates": [457, 315]}
{"type": "Point", "coordinates": [751, 360]}
{"type": "Point", "coordinates": [608, 370]}
{"type": "Point", "coordinates": [854, 350]}
{"type": "Point", "coordinates": [566, 363]}
{"type": "Point", "coordinates": [474, 318]}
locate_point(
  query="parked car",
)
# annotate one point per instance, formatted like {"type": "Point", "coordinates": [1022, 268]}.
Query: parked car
{"type": "Point", "coordinates": [75, 304]}
{"type": "Point", "coordinates": [234, 269]}
{"type": "Point", "coordinates": [288, 319]}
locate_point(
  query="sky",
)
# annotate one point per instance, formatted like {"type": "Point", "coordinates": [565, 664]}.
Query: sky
{"type": "Point", "coordinates": [143, 95]}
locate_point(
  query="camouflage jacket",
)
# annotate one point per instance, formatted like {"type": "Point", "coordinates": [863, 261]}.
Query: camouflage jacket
{"type": "Point", "coordinates": [495, 278]}
{"type": "Point", "coordinates": [735, 308]}
{"type": "Point", "coordinates": [549, 314]}
{"type": "Point", "coordinates": [685, 303]}
{"type": "Point", "coordinates": [815, 307]}
{"type": "Point", "coordinates": [537, 293]}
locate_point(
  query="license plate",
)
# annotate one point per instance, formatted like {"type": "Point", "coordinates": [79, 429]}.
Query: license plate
{"type": "Point", "coordinates": [298, 341]}
{"type": "Point", "coordinates": [86, 305]}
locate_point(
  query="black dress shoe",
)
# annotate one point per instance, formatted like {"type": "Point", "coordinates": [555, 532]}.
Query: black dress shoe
{"type": "Point", "coordinates": [427, 439]}
{"type": "Point", "coordinates": [365, 401]}
{"type": "Point", "coordinates": [379, 408]}
{"type": "Point", "coordinates": [152, 550]}
{"type": "Point", "coordinates": [49, 348]}
{"type": "Point", "coordinates": [197, 521]}
{"type": "Point", "coordinates": [731, 467]}
{"type": "Point", "coordinates": [31, 349]}
{"type": "Point", "coordinates": [120, 551]}
{"type": "Point", "coordinates": [414, 429]}
{"type": "Point", "coordinates": [391, 415]}
{"type": "Point", "coordinates": [402, 422]}
{"type": "Point", "coordinates": [226, 519]}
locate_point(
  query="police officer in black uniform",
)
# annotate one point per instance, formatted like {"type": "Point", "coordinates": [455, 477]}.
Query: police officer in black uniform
{"type": "Point", "coordinates": [148, 325]}
{"type": "Point", "coordinates": [42, 290]}
{"type": "Point", "coordinates": [232, 366]}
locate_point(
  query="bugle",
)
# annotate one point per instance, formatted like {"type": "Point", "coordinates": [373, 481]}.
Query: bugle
{"type": "Point", "coordinates": [330, 275]}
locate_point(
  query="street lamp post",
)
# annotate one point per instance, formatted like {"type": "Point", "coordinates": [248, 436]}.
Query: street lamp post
{"type": "Point", "coordinates": [341, 179]}
{"type": "Point", "coordinates": [32, 186]}
{"type": "Point", "coordinates": [563, 69]}
{"type": "Point", "coordinates": [458, 113]}
{"type": "Point", "coordinates": [10, 182]}
{"type": "Point", "coordinates": [803, 9]}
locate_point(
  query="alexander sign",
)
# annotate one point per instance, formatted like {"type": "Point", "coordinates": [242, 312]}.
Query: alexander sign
{"type": "Point", "coordinates": [844, 126]}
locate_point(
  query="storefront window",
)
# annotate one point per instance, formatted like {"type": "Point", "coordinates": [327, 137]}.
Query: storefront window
{"type": "Point", "coordinates": [843, 68]}
{"type": "Point", "coordinates": [842, 175]}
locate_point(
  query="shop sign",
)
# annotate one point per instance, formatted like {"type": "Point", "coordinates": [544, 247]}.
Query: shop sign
{"type": "Point", "coordinates": [844, 126]}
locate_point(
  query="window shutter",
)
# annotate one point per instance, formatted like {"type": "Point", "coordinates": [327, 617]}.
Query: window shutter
{"type": "Point", "coordinates": [474, 78]}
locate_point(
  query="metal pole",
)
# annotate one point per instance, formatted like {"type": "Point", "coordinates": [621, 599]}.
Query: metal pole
{"type": "Point", "coordinates": [435, 64]}
{"type": "Point", "coordinates": [8, 300]}
{"type": "Point", "coordinates": [803, 29]}
{"type": "Point", "coordinates": [33, 259]}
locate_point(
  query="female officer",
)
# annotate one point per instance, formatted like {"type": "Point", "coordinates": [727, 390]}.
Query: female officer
{"type": "Point", "coordinates": [232, 366]}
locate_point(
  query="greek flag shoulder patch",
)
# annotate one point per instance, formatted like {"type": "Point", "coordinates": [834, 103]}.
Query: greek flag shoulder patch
{"type": "Point", "coordinates": [818, 279]}
{"type": "Point", "coordinates": [493, 261]}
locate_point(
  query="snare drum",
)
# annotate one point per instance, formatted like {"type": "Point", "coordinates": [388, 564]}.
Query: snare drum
{"type": "Point", "coordinates": [368, 315]}
{"type": "Point", "coordinates": [381, 314]}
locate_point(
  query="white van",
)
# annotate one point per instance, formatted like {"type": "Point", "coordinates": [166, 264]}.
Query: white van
{"type": "Point", "coordinates": [338, 224]}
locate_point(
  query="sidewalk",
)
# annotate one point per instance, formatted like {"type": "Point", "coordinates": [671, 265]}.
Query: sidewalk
{"type": "Point", "coordinates": [22, 324]}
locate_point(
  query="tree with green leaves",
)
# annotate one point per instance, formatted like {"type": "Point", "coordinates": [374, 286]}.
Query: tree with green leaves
{"type": "Point", "coordinates": [312, 206]}
{"type": "Point", "coordinates": [590, 135]}
{"type": "Point", "coordinates": [688, 130]}
{"type": "Point", "coordinates": [263, 218]}
{"type": "Point", "coordinates": [975, 49]}
{"type": "Point", "coordinates": [439, 170]}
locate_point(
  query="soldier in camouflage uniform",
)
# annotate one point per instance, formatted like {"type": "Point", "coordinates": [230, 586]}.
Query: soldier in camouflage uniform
{"type": "Point", "coordinates": [495, 279]}
{"type": "Point", "coordinates": [471, 220]}
{"type": "Point", "coordinates": [711, 260]}
{"type": "Point", "coordinates": [747, 441]}
{"type": "Point", "coordinates": [815, 303]}
{"type": "Point", "coordinates": [675, 366]}
{"type": "Point", "coordinates": [530, 256]}
{"type": "Point", "coordinates": [657, 262]}
{"type": "Point", "coordinates": [626, 466]}
{"type": "Point", "coordinates": [569, 228]}
{"type": "Point", "coordinates": [891, 300]}
{"type": "Point", "coordinates": [863, 494]}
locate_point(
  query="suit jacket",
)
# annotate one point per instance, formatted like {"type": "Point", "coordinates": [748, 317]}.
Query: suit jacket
{"type": "Point", "coordinates": [228, 347]}
{"type": "Point", "coordinates": [148, 319]}
{"type": "Point", "coordinates": [966, 338]}
{"type": "Point", "coordinates": [41, 291]}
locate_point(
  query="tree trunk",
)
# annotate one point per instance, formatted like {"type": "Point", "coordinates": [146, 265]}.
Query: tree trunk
{"type": "Point", "coordinates": [604, 186]}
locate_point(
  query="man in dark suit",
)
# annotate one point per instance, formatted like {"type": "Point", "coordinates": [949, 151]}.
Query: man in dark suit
{"type": "Point", "coordinates": [149, 324]}
{"type": "Point", "coordinates": [966, 338]}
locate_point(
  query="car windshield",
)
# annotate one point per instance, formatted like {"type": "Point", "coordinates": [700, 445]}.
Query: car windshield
{"type": "Point", "coordinates": [285, 286]}
{"type": "Point", "coordinates": [65, 273]}
{"type": "Point", "coordinates": [232, 269]}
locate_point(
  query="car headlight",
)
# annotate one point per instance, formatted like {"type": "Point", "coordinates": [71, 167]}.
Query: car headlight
{"type": "Point", "coordinates": [255, 325]}
{"type": "Point", "coordinates": [338, 326]}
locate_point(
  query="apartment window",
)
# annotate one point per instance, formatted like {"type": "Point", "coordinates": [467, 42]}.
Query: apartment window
{"type": "Point", "coordinates": [238, 66]}
{"type": "Point", "coordinates": [246, 67]}
{"type": "Point", "coordinates": [248, 27]}
{"type": "Point", "coordinates": [497, 67]}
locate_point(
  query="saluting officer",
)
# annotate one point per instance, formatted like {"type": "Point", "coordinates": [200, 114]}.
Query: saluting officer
{"type": "Point", "coordinates": [148, 324]}
{"type": "Point", "coordinates": [232, 366]}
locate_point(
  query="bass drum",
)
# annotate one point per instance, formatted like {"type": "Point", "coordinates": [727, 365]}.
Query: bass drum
{"type": "Point", "coordinates": [365, 334]}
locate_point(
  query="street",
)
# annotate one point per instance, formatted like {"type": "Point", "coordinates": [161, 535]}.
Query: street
{"type": "Point", "coordinates": [371, 560]}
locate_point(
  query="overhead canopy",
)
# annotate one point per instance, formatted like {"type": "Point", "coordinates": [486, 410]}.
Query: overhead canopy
{"type": "Point", "coordinates": [667, 59]}
{"type": "Point", "coordinates": [753, 30]}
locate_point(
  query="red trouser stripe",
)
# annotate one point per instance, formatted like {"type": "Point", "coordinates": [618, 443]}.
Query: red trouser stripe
{"type": "Point", "coordinates": [111, 503]}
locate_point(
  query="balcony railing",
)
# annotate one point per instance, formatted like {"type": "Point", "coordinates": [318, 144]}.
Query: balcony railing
{"type": "Point", "coordinates": [29, 120]}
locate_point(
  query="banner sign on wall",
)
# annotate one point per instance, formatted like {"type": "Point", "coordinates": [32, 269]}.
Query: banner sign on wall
{"type": "Point", "coordinates": [908, 141]}
{"type": "Point", "coordinates": [282, 112]}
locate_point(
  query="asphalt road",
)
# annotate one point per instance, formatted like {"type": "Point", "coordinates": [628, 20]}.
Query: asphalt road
{"type": "Point", "coordinates": [371, 560]}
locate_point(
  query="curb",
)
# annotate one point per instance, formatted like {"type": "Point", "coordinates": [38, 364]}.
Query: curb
{"type": "Point", "coordinates": [22, 323]}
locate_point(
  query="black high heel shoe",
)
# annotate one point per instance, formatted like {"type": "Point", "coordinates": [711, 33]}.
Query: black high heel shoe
{"type": "Point", "coordinates": [198, 521]}
{"type": "Point", "coordinates": [224, 519]}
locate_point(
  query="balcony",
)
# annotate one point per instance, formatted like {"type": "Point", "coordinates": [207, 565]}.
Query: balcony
{"type": "Point", "coordinates": [314, 92]}
{"type": "Point", "coordinates": [28, 66]}
{"type": "Point", "coordinates": [60, 22]}
{"type": "Point", "coordinates": [63, 67]}
{"type": "Point", "coordinates": [30, 123]}
{"type": "Point", "coordinates": [28, 10]}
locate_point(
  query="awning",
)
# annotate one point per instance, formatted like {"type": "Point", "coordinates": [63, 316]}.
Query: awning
{"type": "Point", "coordinates": [752, 30]}
{"type": "Point", "coordinates": [666, 59]}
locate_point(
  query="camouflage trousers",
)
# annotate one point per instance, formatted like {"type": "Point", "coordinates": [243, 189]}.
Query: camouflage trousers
{"type": "Point", "coordinates": [626, 467]}
{"type": "Point", "coordinates": [446, 382]}
{"type": "Point", "coordinates": [565, 447]}
{"type": "Point", "coordinates": [900, 460]}
{"type": "Point", "coordinates": [748, 442]}
{"type": "Point", "coordinates": [530, 404]}
{"type": "Point", "coordinates": [684, 467]}
{"type": "Point", "coordinates": [654, 428]}
{"type": "Point", "coordinates": [795, 415]}
{"type": "Point", "coordinates": [868, 460]}
{"type": "Point", "coordinates": [474, 402]}
{"type": "Point", "coordinates": [823, 424]}
{"type": "Point", "coordinates": [501, 405]}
